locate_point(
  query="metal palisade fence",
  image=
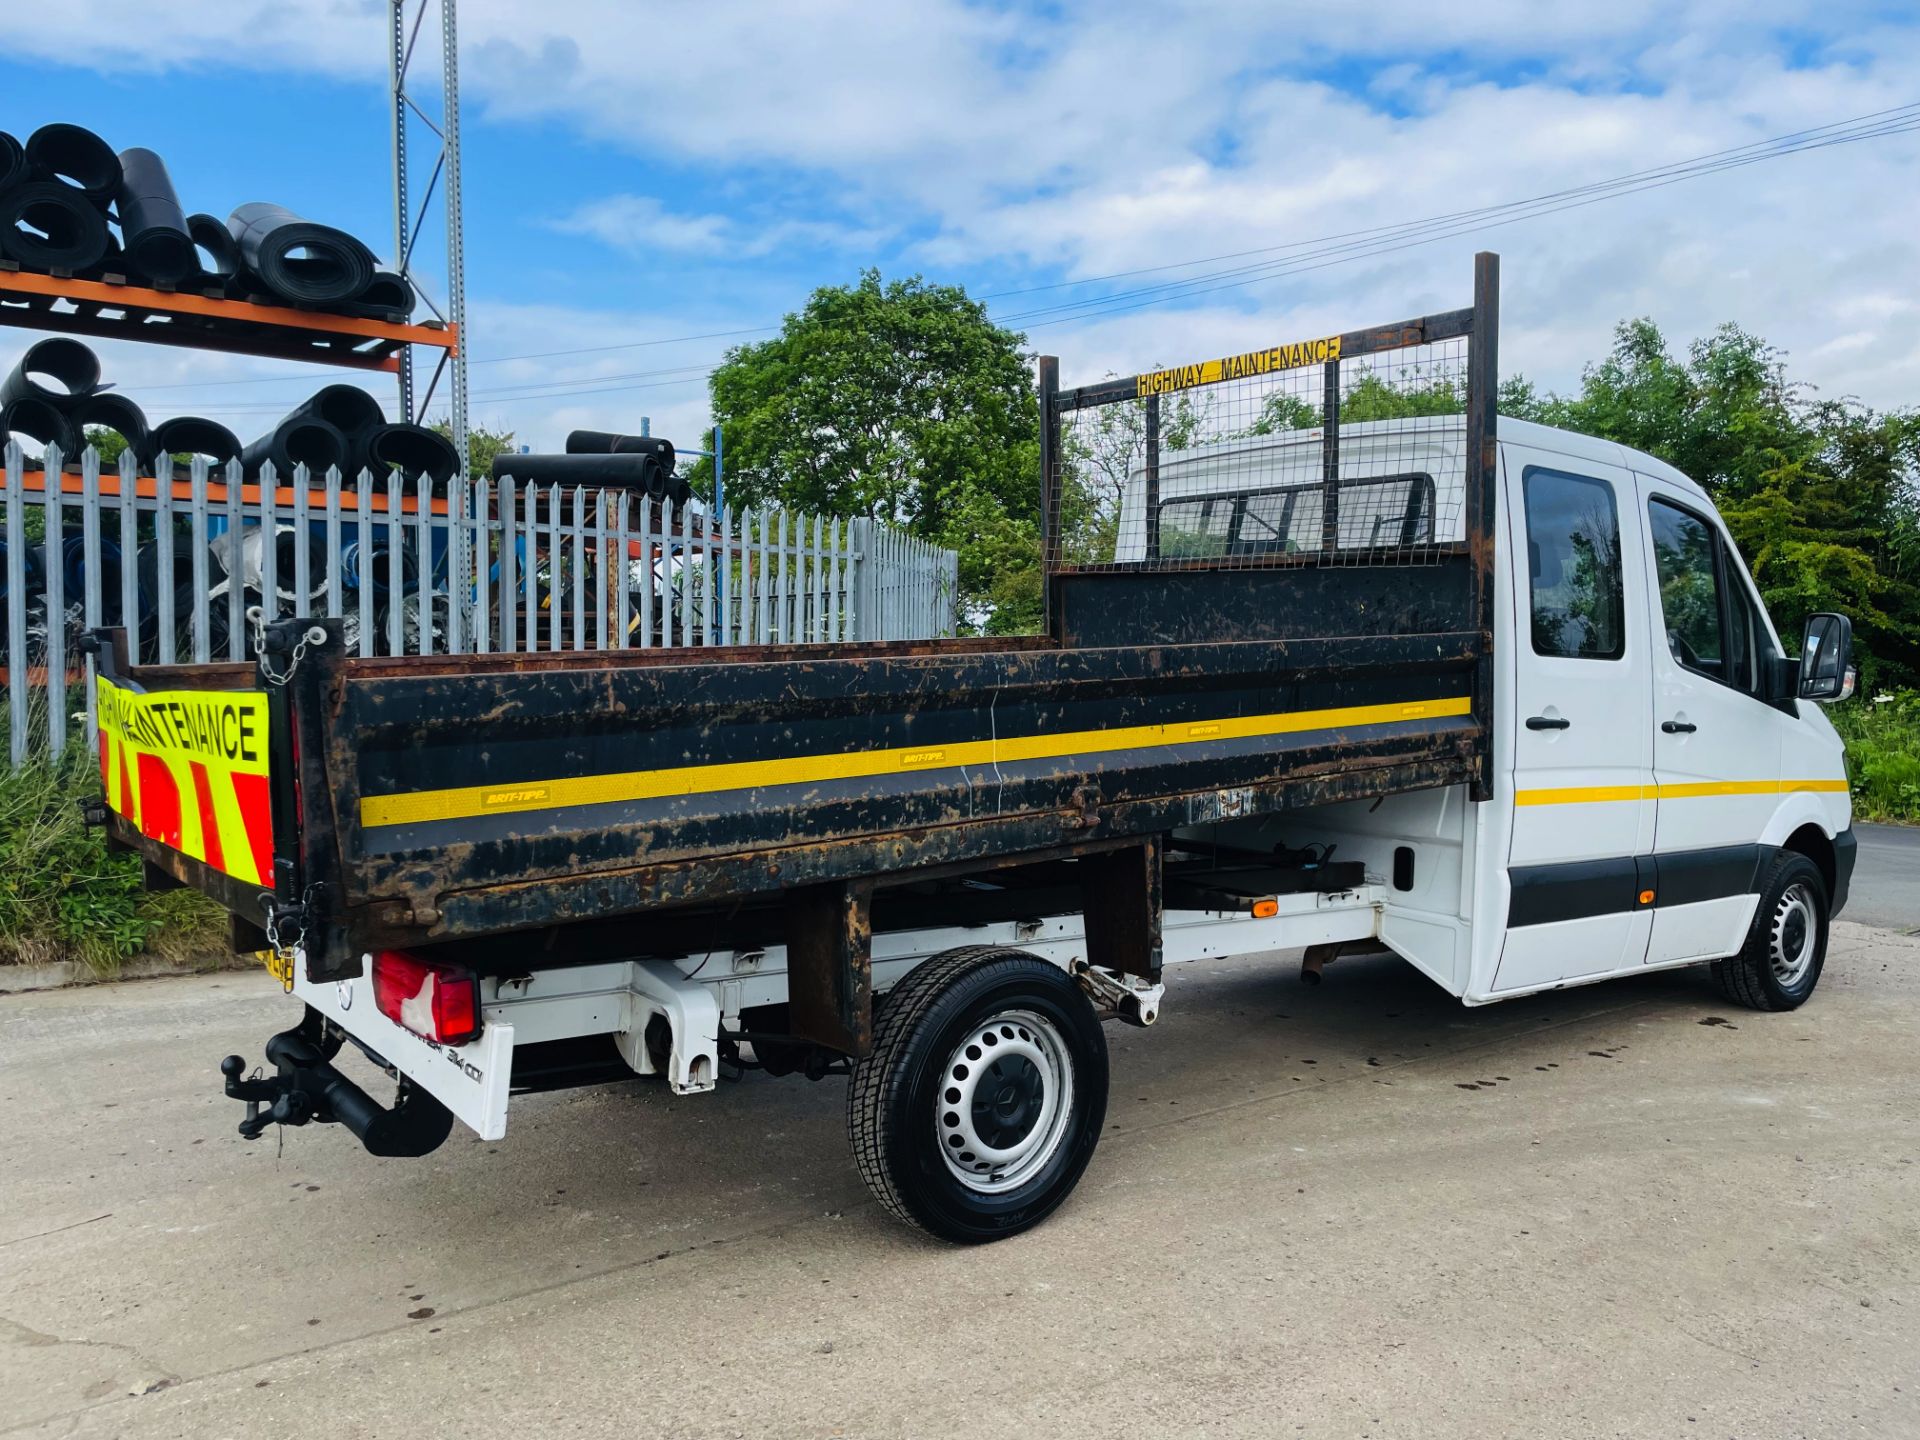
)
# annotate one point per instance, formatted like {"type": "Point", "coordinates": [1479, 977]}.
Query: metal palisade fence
{"type": "Point", "coordinates": [191, 560]}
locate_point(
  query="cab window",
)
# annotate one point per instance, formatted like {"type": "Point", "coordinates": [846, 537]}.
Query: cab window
{"type": "Point", "coordinates": [1712, 623]}
{"type": "Point", "coordinates": [1573, 559]}
{"type": "Point", "coordinates": [1746, 636]}
{"type": "Point", "coordinates": [1688, 571]}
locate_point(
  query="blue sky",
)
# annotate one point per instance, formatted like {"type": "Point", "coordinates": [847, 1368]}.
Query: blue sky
{"type": "Point", "coordinates": [639, 172]}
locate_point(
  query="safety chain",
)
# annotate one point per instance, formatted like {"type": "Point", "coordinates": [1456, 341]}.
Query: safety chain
{"type": "Point", "coordinates": [286, 948]}
{"type": "Point", "coordinates": [311, 636]}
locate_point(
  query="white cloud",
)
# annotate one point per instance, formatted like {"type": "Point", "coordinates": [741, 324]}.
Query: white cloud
{"type": "Point", "coordinates": [640, 222]}
{"type": "Point", "coordinates": [641, 225]}
{"type": "Point", "coordinates": [1096, 137]}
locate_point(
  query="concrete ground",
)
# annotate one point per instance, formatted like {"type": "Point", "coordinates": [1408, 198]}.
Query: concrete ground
{"type": "Point", "coordinates": [1359, 1210]}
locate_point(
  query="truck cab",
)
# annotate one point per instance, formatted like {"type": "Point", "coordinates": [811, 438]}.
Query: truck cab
{"type": "Point", "coordinates": [1656, 754]}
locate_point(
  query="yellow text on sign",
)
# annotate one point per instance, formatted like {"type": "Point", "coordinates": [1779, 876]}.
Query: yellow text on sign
{"type": "Point", "coordinates": [1271, 361]}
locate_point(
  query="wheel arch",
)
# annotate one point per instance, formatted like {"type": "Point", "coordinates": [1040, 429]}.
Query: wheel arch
{"type": "Point", "coordinates": [1804, 824]}
{"type": "Point", "coordinates": [1814, 843]}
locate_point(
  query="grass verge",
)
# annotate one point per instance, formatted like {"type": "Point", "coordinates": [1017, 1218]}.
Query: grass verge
{"type": "Point", "coordinates": [1883, 754]}
{"type": "Point", "coordinates": [64, 897]}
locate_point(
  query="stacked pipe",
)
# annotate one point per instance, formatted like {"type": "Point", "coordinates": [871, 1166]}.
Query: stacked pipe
{"type": "Point", "coordinates": [54, 396]}
{"type": "Point", "coordinates": [343, 426]}
{"type": "Point", "coordinates": [602, 460]}
{"type": "Point", "coordinates": [70, 205]}
{"type": "Point", "coordinates": [47, 394]}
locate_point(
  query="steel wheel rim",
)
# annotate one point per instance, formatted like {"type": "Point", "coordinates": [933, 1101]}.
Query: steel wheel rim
{"type": "Point", "coordinates": [1006, 1094]}
{"type": "Point", "coordinates": [1795, 925]}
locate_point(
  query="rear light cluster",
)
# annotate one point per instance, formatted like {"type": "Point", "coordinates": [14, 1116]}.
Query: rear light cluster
{"type": "Point", "coordinates": [439, 1002]}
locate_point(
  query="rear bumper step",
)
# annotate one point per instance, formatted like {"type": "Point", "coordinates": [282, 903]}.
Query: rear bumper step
{"type": "Point", "coordinates": [306, 1089]}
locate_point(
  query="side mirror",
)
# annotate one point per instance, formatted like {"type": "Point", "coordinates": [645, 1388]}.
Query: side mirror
{"type": "Point", "coordinates": [1825, 658]}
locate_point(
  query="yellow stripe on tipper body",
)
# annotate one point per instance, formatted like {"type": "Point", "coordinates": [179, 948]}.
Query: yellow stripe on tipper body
{"type": "Point", "coordinates": [471, 800]}
{"type": "Point", "coordinates": [1689, 790]}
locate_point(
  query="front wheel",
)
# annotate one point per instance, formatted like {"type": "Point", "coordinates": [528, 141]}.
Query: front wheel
{"type": "Point", "coordinates": [1787, 944]}
{"type": "Point", "coordinates": [983, 1099]}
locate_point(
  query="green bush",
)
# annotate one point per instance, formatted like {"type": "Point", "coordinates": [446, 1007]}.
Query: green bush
{"type": "Point", "coordinates": [64, 897]}
{"type": "Point", "coordinates": [1883, 754]}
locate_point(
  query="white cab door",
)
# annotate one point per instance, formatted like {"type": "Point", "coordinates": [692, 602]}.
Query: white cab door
{"type": "Point", "coordinates": [1717, 747]}
{"type": "Point", "coordinates": [1583, 806]}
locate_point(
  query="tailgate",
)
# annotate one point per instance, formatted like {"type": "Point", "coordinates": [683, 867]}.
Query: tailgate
{"type": "Point", "coordinates": [185, 772]}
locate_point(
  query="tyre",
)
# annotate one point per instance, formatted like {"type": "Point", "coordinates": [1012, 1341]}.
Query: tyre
{"type": "Point", "coordinates": [981, 1104]}
{"type": "Point", "coordinates": [1787, 945]}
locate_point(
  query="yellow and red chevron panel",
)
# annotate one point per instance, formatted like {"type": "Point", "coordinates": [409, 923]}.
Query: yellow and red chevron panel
{"type": "Point", "coordinates": [188, 768]}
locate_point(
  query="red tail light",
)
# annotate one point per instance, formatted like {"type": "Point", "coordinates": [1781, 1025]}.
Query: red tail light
{"type": "Point", "coordinates": [440, 1002]}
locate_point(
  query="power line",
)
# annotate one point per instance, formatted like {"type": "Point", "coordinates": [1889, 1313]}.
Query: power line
{"type": "Point", "coordinates": [1307, 255]}
{"type": "Point", "coordinates": [532, 390]}
{"type": "Point", "coordinates": [1387, 239]}
{"type": "Point", "coordinates": [1900, 110]}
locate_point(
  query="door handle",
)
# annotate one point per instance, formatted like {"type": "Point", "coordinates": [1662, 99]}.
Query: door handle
{"type": "Point", "coordinates": [1678, 727]}
{"type": "Point", "coordinates": [1547, 722]}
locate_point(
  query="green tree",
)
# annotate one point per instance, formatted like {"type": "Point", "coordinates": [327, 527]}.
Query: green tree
{"type": "Point", "coordinates": [1822, 497]}
{"type": "Point", "coordinates": [109, 444]}
{"type": "Point", "coordinates": [484, 446]}
{"type": "Point", "coordinates": [899, 400]}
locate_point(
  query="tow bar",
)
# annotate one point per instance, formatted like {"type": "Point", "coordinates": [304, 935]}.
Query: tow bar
{"type": "Point", "coordinates": [308, 1089]}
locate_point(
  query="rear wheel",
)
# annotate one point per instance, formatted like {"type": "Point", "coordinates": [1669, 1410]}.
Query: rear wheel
{"type": "Point", "coordinates": [1787, 944]}
{"type": "Point", "coordinates": [982, 1102]}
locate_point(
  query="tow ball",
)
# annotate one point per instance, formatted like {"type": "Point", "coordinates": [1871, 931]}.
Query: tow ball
{"type": "Point", "coordinates": [283, 1106]}
{"type": "Point", "coordinates": [305, 1088]}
